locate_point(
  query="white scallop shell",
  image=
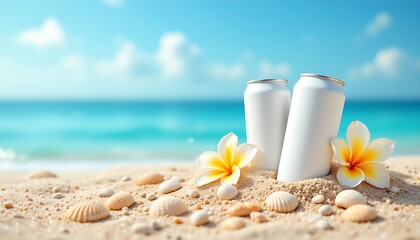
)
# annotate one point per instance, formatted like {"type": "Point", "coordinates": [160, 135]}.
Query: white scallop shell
{"type": "Point", "coordinates": [282, 202]}
{"type": "Point", "coordinates": [167, 205]}
{"type": "Point", "coordinates": [359, 213]}
{"type": "Point", "coordinates": [199, 218]}
{"type": "Point", "coordinates": [119, 200]}
{"type": "Point", "coordinates": [149, 179]}
{"type": "Point", "coordinates": [106, 192]}
{"type": "Point", "coordinates": [227, 192]}
{"type": "Point", "coordinates": [89, 211]}
{"type": "Point", "coordinates": [169, 186]}
{"type": "Point", "coordinates": [233, 223]}
{"type": "Point", "coordinates": [41, 174]}
{"type": "Point", "coordinates": [349, 198]}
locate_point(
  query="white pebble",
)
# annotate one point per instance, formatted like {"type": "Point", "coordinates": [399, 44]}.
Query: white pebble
{"type": "Point", "coordinates": [322, 224]}
{"type": "Point", "coordinates": [106, 192]}
{"type": "Point", "coordinates": [395, 189]}
{"type": "Point", "coordinates": [125, 179]}
{"type": "Point", "coordinates": [199, 218]}
{"type": "Point", "coordinates": [141, 227]}
{"type": "Point", "coordinates": [192, 193]}
{"type": "Point", "coordinates": [57, 195]}
{"type": "Point", "coordinates": [325, 210]}
{"type": "Point", "coordinates": [151, 196]}
{"type": "Point", "coordinates": [143, 195]}
{"type": "Point", "coordinates": [56, 189]}
{"type": "Point", "coordinates": [318, 199]}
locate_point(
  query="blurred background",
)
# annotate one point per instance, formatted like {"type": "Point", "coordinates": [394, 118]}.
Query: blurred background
{"type": "Point", "coordinates": [86, 84]}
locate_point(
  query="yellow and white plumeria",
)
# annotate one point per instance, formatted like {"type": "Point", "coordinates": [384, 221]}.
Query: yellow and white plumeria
{"type": "Point", "coordinates": [225, 165]}
{"type": "Point", "coordinates": [360, 159]}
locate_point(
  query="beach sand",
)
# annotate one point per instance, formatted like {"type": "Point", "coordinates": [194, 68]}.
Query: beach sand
{"type": "Point", "coordinates": [36, 215]}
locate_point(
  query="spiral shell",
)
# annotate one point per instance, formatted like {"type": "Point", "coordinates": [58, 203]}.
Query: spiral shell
{"type": "Point", "coordinates": [149, 179]}
{"type": "Point", "coordinates": [119, 200]}
{"type": "Point", "coordinates": [282, 202]}
{"type": "Point", "coordinates": [199, 218]}
{"type": "Point", "coordinates": [359, 213]}
{"type": "Point", "coordinates": [41, 174]}
{"type": "Point", "coordinates": [171, 206]}
{"type": "Point", "coordinates": [89, 211]}
{"type": "Point", "coordinates": [349, 198]}
{"type": "Point", "coordinates": [227, 192]}
{"type": "Point", "coordinates": [169, 186]}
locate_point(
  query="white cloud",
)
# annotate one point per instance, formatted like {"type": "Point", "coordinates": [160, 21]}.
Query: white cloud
{"type": "Point", "coordinates": [379, 24]}
{"type": "Point", "coordinates": [49, 34]}
{"type": "Point", "coordinates": [270, 70]}
{"type": "Point", "coordinates": [113, 3]}
{"type": "Point", "coordinates": [388, 63]}
{"type": "Point", "coordinates": [75, 64]}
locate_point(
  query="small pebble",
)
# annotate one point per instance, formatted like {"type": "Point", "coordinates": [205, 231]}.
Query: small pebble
{"type": "Point", "coordinates": [178, 220]}
{"type": "Point", "coordinates": [143, 195]}
{"type": "Point", "coordinates": [125, 179]}
{"type": "Point", "coordinates": [141, 227]}
{"type": "Point", "coordinates": [197, 207]}
{"type": "Point", "coordinates": [57, 196]}
{"type": "Point", "coordinates": [56, 189]}
{"type": "Point", "coordinates": [106, 192]}
{"type": "Point", "coordinates": [258, 217]}
{"type": "Point", "coordinates": [325, 210]}
{"type": "Point", "coordinates": [395, 189]}
{"type": "Point", "coordinates": [192, 193]}
{"type": "Point", "coordinates": [125, 212]}
{"type": "Point", "coordinates": [322, 224]}
{"type": "Point", "coordinates": [199, 218]}
{"type": "Point", "coordinates": [155, 225]}
{"type": "Point", "coordinates": [151, 196]}
{"type": "Point", "coordinates": [8, 205]}
{"type": "Point", "coordinates": [318, 199]}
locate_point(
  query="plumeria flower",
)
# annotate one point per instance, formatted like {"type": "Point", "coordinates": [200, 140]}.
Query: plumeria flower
{"type": "Point", "coordinates": [360, 159]}
{"type": "Point", "coordinates": [225, 165]}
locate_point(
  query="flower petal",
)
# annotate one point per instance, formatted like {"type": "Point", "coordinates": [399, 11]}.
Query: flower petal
{"type": "Point", "coordinates": [226, 148]}
{"type": "Point", "coordinates": [358, 136]}
{"type": "Point", "coordinates": [377, 151]}
{"type": "Point", "coordinates": [350, 177]}
{"type": "Point", "coordinates": [209, 176]}
{"type": "Point", "coordinates": [341, 151]}
{"type": "Point", "coordinates": [233, 177]}
{"type": "Point", "coordinates": [210, 160]}
{"type": "Point", "coordinates": [375, 174]}
{"type": "Point", "coordinates": [244, 154]}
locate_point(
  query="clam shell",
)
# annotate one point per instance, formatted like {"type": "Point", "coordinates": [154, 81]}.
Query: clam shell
{"type": "Point", "coordinates": [41, 174]}
{"type": "Point", "coordinates": [199, 218]}
{"type": "Point", "coordinates": [119, 200]}
{"type": "Point", "coordinates": [106, 192]}
{"type": "Point", "coordinates": [349, 198]}
{"type": "Point", "coordinates": [149, 179]}
{"type": "Point", "coordinates": [169, 186]}
{"type": "Point", "coordinates": [282, 202]}
{"type": "Point", "coordinates": [227, 192]}
{"type": "Point", "coordinates": [89, 211]}
{"type": "Point", "coordinates": [233, 223]}
{"type": "Point", "coordinates": [243, 209]}
{"type": "Point", "coordinates": [171, 206]}
{"type": "Point", "coordinates": [359, 213]}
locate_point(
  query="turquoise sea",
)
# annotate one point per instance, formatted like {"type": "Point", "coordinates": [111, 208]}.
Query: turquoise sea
{"type": "Point", "coordinates": [90, 134]}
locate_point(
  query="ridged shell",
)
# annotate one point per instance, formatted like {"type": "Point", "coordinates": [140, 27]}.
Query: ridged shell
{"type": "Point", "coordinates": [149, 179]}
{"type": "Point", "coordinates": [119, 200]}
{"type": "Point", "coordinates": [171, 206]}
{"type": "Point", "coordinates": [359, 213]}
{"type": "Point", "coordinates": [349, 198]}
{"type": "Point", "coordinates": [199, 218]}
{"type": "Point", "coordinates": [89, 211]}
{"type": "Point", "coordinates": [233, 223]}
{"type": "Point", "coordinates": [227, 192]}
{"type": "Point", "coordinates": [282, 202]}
{"type": "Point", "coordinates": [243, 209]}
{"type": "Point", "coordinates": [41, 174]}
{"type": "Point", "coordinates": [169, 186]}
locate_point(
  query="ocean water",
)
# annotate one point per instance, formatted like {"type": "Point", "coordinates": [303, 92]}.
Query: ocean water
{"type": "Point", "coordinates": [76, 134]}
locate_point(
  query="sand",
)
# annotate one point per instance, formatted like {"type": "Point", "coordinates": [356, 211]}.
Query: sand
{"type": "Point", "coordinates": [36, 215]}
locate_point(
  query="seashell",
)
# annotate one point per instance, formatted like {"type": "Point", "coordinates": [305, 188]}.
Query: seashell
{"type": "Point", "coordinates": [169, 186]}
{"type": "Point", "coordinates": [56, 189]}
{"type": "Point", "coordinates": [150, 196]}
{"type": "Point", "coordinates": [322, 224]}
{"type": "Point", "coordinates": [233, 223]}
{"type": "Point", "coordinates": [318, 199]}
{"type": "Point", "coordinates": [57, 196]}
{"type": "Point", "coordinates": [227, 192]}
{"type": "Point", "coordinates": [258, 217]}
{"type": "Point", "coordinates": [192, 193]}
{"type": "Point", "coordinates": [325, 210]}
{"type": "Point", "coordinates": [349, 198]}
{"type": "Point", "coordinates": [41, 174]}
{"type": "Point", "coordinates": [149, 179]}
{"type": "Point", "coordinates": [89, 211]}
{"type": "Point", "coordinates": [199, 218]}
{"type": "Point", "coordinates": [359, 213]}
{"type": "Point", "coordinates": [395, 189]}
{"type": "Point", "coordinates": [106, 192]}
{"type": "Point", "coordinates": [143, 195]}
{"type": "Point", "coordinates": [141, 227]}
{"type": "Point", "coordinates": [119, 200]}
{"type": "Point", "coordinates": [282, 202]}
{"type": "Point", "coordinates": [171, 206]}
{"type": "Point", "coordinates": [243, 209]}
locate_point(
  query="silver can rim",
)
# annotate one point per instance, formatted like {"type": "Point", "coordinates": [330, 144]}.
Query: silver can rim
{"type": "Point", "coordinates": [323, 77]}
{"type": "Point", "coordinates": [266, 80]}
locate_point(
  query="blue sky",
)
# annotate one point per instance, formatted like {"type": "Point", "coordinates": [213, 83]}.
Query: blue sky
{"type": "Point", "coordinates": [122, 49]}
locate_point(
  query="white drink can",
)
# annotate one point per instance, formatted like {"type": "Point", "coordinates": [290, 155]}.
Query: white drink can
{"type": "Point", "coordinates": [314, 120]}
{"type": "Point", "coordinates": [267, 104]}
